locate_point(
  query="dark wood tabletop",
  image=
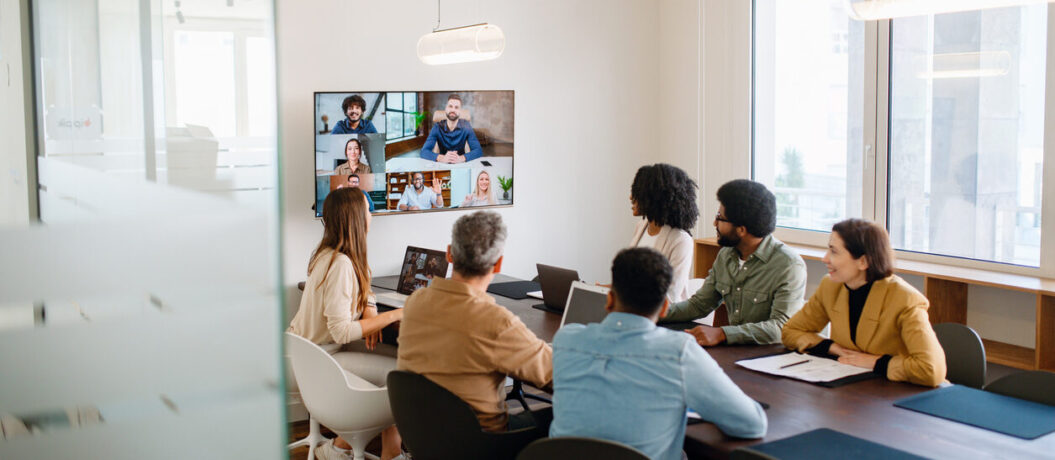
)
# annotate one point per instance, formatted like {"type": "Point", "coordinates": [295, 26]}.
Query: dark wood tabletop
{"type": "Point", "coordinates": [863, 409]}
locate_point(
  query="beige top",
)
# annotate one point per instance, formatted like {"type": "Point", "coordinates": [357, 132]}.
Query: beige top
{"type": "Point", "coordinates": [327, 311]}
{"type": "Point", "coordinates": [465, 342]}
{"type": "Point", "coordinates": [344, 169]}
{"type": "Point", "coordinates": [677, 246]}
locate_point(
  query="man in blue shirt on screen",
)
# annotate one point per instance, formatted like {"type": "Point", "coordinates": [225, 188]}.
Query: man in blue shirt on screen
{"type": "Point", "coordinates": [451, 135]}
{"type": "Point", "coordinates": [353, 181]}
{"type": "Point", "coordinates": [353, 107]}
{"type": "Point", "coordinates": [628, 381]}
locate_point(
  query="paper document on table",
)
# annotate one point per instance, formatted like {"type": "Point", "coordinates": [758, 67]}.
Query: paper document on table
{"type": "Point", "coordinates": [803, 367]}
{"type": "Point", "coordinates": [535, 294]}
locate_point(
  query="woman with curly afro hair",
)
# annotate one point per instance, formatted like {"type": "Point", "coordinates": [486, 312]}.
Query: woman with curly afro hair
{"type": "Point", "coordinates": [665, 197]}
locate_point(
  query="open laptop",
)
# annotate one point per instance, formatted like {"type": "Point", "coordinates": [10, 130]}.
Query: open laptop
{"type": "Point", "coordinates": [555, 283]}
{"type": "Point", "coordinates": [420, 266]}
{"type": "Point", "coordinates": [585, 304]}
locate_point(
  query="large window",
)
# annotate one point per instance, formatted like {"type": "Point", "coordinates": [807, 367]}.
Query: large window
{"type": "Point", "coordinates": [807, 117]}
{"type": "Point", "coordinates": [953, 162]}
{"type": "Point", "coordinates": [401, 111]}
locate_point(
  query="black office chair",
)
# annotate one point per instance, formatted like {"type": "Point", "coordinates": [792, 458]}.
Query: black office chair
{"type": "Point", "coordinates": [1036, 386]}
{"type": "Point", "coordinates": [578, 448]}
{"type": "Point", "coordinates": [436, 424]}
{"type": "Point", "coordinates": [964, 354]}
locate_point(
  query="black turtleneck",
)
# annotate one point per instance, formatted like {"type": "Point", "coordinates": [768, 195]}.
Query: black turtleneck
{"type": "Point", "coordinates": [856, 302]}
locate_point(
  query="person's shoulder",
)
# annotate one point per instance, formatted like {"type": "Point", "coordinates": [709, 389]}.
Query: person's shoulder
{"type": "Point", "coordinates": [464, 124]}
{"type": "Point", "coordinates": [569, 334]}
{"type": "Point", "coordinates": [781, 251]}
{"type": "Point", "coordinates": [903, 293]}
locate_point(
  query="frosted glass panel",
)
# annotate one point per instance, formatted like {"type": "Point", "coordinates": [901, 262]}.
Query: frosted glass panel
{"type": "Point", "coordinates": [142, 317]}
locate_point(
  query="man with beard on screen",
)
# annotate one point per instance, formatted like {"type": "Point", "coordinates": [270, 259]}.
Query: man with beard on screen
{"type": "Point", "coordinates": [451, 135]}
{"type": "Point", "coordinates": [760, 280]}
{"type": "Point", "coordinates": [421, 197]}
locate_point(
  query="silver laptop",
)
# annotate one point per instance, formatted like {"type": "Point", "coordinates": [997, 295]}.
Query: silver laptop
{"type": "Point", "coordinates": [585, 304]}
{"type": "Point", "coordinates": [420, 266]}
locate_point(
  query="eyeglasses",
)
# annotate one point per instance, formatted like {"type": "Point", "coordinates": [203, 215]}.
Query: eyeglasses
{"type": "Point", "coordinates": [718, 217]}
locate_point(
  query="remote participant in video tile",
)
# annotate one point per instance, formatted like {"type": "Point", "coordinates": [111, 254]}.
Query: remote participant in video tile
{"type": "Point", "coordinates": [420, 197]}
{"type": "Point", "coordinates": [353, 151]}
{"type": "Point", "coordinates": [353, 107]}
{"type": "Point", "coordinates": [760, 280]}
{"type": "Point", "coordinates": [483, 194]}
{"type": "Point", "coordinates": [878, 321]}
{"type": "Point", "coordinates": [353, 181]}
{"type": "Point", "coordinates": [450, 136]}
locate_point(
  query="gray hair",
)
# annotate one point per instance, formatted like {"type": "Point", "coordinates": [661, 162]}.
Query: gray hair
{"type": "Point", "coordinates": [477, 241]}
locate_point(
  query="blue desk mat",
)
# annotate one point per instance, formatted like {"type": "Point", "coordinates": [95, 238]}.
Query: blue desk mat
{"type": "Point", "coordinates": [513, 289]}
{"type": "Point", "coordinates": [825, 443]}
{"type": "Point", "coordinates": [991, 411]}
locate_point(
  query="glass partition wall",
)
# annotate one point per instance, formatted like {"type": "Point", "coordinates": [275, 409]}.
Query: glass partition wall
{"type": "Point", "coordinates": [142, 317]}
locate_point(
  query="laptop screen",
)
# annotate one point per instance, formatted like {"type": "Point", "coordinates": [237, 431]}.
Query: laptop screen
{"type": "Point", "coordinates": [419, 267]}
{"type": "Point", "coordinates": [585, 304]}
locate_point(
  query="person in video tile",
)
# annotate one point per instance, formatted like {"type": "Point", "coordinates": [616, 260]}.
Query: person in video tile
{"type": "Point", "coordinates": [451, 135]}
{"type": "Point", "coordinates": [420, 197]}
{"type": "Point", "coordinates": [353, 181]}
{"type": "Point", "coordinates": [353, 151]}
{"type": "Point", "coordinates": [483, 194]}
{"type": "Point", "coordinates": [353, 107]}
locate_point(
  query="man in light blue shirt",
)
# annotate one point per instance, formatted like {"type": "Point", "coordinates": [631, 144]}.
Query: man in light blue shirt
{"type": "Point", "coordinates": [628, 381]}
{"type": "Point", "coordinates": [417, 196]}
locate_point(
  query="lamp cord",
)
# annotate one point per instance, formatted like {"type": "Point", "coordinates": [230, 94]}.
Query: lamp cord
{"type": "Point", "coordinates": [437, 16]}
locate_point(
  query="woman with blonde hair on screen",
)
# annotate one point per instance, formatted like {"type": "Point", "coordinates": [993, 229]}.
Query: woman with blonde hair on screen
{"type": "Point", "coordinates": [337, 307]}
{"type": "Point", "coordinates": [483, 193]}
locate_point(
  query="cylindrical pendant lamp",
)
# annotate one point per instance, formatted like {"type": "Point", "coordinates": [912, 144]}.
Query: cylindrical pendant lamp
{"type": "Point", "coordinates": [478, 42]}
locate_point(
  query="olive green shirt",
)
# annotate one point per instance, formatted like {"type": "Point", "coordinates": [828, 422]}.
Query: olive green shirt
{"type": "Point", "coordinates": [760, 296]}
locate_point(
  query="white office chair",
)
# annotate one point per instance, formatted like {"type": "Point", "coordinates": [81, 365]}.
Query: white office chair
{"type": "Point", "coordinates": [351, 407]}
{"type": "Point", "coordinates": [315, 436]}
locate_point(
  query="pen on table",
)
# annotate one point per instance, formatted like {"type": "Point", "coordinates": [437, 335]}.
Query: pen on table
{"type": "Point", "coordinates": [795, 364]}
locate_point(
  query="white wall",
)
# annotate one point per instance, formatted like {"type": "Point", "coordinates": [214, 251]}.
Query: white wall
{"type": "Point", "coordinates": [15, 173]}
{"type": "Point", "coordinates": [586, 76]}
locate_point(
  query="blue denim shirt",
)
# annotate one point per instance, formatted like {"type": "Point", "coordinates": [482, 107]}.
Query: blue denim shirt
{"type": "Point", "coordinates": [345, 127]}
{"type": "Point", "coordinates": [628, 381]}
{"type": "Point", "coordinates": [452, 140]}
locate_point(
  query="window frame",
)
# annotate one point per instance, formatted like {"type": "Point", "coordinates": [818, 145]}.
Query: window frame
{"type": "Point", "coordinates": [402, 114]}
{"type": "Point", "coordinates": [876, 142]}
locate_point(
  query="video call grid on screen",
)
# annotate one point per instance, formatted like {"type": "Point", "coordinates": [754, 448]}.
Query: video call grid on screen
{"type": "Point", "coordinates": [416, 151]}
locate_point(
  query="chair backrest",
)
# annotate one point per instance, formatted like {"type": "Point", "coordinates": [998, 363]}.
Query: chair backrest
{"type": "Point", "coordinates": [964, 354]}
{"type": "Point", "coordinates": [437, 424]}
{"type": "Point", "coordinates": [577, 448]}
{"type": "Point", "coordinates": [1036, 386]}
{"type": "Point", "coordinates": [326, 391]}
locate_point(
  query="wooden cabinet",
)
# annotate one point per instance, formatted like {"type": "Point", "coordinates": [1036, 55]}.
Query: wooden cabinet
{"type": "Point", "coordinates": [946, 288]}
{"type": "Point", "coordinates": [396, 183]}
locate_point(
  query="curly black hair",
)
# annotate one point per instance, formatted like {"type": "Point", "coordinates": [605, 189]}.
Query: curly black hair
{"type": "Point", "coordinates": [749, 204]}
{"type": "Point", "coordinates": [666, 195]}
{"type": "Point", "coordinates": [640, 279]}
{"type": "Point", "coordinates": [354, 99]}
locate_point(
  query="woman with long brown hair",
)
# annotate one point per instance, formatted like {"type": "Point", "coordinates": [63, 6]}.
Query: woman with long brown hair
{"type": "Point", "coordinates": [337, 307]}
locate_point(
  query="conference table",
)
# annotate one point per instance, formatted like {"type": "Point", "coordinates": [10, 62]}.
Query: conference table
{"type": "Point", "coordinates": [864, 409]}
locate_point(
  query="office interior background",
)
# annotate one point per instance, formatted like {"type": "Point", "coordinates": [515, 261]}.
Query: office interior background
{"type": "Point", "coordinates": [157, 177]}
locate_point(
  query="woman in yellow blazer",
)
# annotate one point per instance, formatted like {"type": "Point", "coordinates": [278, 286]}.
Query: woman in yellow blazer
{"type": "Point", "coordinates": [878, 320]}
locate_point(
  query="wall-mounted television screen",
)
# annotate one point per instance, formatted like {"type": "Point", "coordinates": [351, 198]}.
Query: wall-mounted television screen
{"type": "Point", "coordinates": [415, 151]}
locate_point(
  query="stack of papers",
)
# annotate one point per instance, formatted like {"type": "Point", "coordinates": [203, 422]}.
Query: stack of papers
{"type": "Point", "coordinates": [802, 367]}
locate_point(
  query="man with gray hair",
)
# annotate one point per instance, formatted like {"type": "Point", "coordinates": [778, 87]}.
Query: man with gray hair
{"type": "Point", "coordinates": [456, 335]}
